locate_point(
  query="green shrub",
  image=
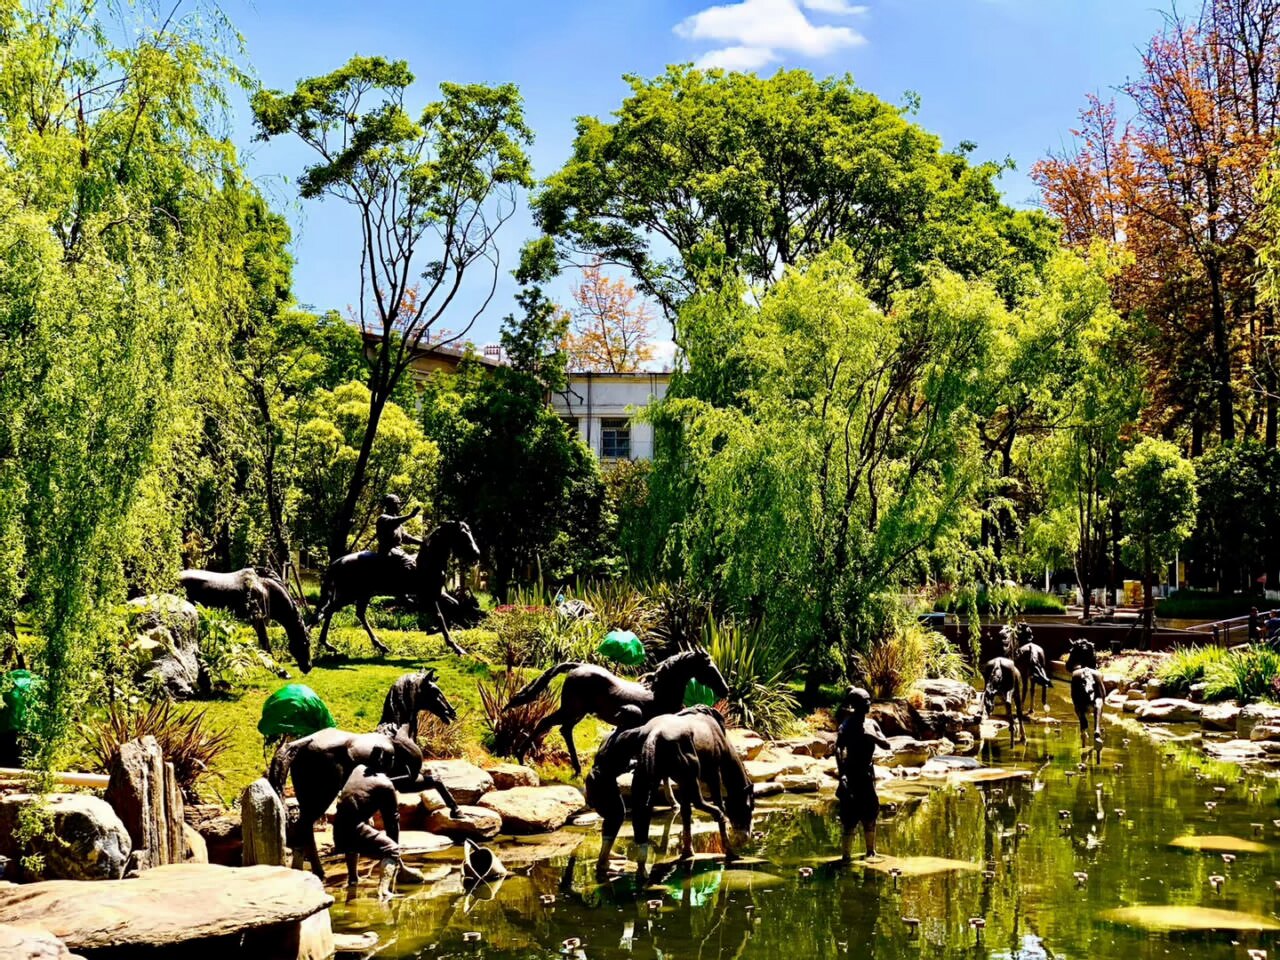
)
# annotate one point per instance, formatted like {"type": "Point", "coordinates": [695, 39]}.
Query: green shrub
{"type": "Point", "coordinates": [1186, 666]}
{"type": "Point", "coordinates": [1252, 674]}
{"type": "Point", "coordinates": [1000, 600]}
{"type": "Point", "coordinates": [755, 667]}
{"type": "Point", "coordinates": [229, 653]}
{"type": "Point", "coordinates": [618, 605]}
{"type": "Point", "coordinates": [909, 653]}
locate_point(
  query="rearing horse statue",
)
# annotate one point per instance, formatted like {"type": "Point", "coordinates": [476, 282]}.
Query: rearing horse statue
{"type": "Point", "coordinates": [359, 577]}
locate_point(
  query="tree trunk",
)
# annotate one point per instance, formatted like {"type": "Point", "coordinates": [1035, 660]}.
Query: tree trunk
{"type": "Point", "coordinates": [341, 531]}
{"type": "Point", "coordinates": [1221, 356]}
{"type": "Point", "coordinates": [1148, 602]}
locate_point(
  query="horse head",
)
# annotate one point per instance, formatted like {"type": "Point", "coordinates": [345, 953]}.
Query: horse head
{"type": "Point", "coordinates": [1081, 654]}
{"type": "Point", "coordinates": [1008, 639]}
{"type": "Point", "coordinates": [285, 612]}
{"type": "Point", "coordinates": [1025, 634]}
{"type": "Point", "coordinates": [708, 674]}
{"type": "Point", "coordinates": [431, 698]}
{"type": "Point", "coordinates": [462, 544]}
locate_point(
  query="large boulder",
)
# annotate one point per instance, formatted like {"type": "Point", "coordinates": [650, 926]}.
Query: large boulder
{"type": "Point", "coordinates": [143, 791]}
{"type": "Point", "coordinates": [1254, 714]}
{"type": "Point", "coordinates": [943, 708]}
{"type": "Point", "coordinates": [1168, 710]}
{"type": "Point", "coordinates": [508, 775]}
{"type": "Point", "coordinates": [534, 809]}
{"type": "Point", "coordinates": [20, 942]}
{"type": "Point", "coordinates": [166, 644]}
{"type": "Point", "coordinates": [762, 771]}
{"type": "Point", "coordinates": [476, 823]}
{"type": "Point", "coordinates": [267, 911]}
{"type": "Point", "coordinates": [465, 781]}
{"type": "Point", "coordinates": [909, 752]}
{"type": "Point", "coordinates": [745, 743]}
{"type": "Point", "coordinates": [1235, 751]}
{"type": "Point", "coordinates": [1220, 716]}
{"type": "Point", "coordinates": [799, 782]}
{"type": "Point", "coordinates": [87, 840]}
{"type": "Point", "coordinates": [1266, 732]}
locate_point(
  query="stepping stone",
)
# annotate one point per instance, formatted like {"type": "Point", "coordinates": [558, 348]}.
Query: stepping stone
{"type": "Point", "coordinates": [534, 809]}
{"type": "Point", "coordinates": [477, 823]}
{"type": "Point", "coordinates": [467, 782]}
{"type": "Point", "coordinates": [1170, 917]}
{"type": "Point", "coordinates": [917, 866]}
{"type": "Point", "coordinates": [508, 775]}
{"type": "Point", "coordinates": [1215, 843]}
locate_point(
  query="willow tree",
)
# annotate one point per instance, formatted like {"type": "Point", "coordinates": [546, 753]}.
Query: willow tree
{"type": "Point", "coordinates": [845, 459]}
{"type": "Point", "coordinates": [117, 202]}
{"type": "Point", "coordinates": [429, 193]}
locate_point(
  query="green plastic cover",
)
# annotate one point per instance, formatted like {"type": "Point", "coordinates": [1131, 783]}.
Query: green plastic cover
{"type": "Point", "coordinates": [696, 694]}
{"type": "Point", "coordinates": [622, 646]}
{"type": "Point", "coordinates": [294, 710]}
{"type": "Point", "coordinates": [18, 691]}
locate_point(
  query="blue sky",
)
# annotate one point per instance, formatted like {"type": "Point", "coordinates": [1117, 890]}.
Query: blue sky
{"type": "Point", "coordinates": [1008, 75]}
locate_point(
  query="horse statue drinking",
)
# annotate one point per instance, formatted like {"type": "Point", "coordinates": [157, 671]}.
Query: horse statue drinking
{"type": "Point", "coordinates": [589, 689]}
{"type": "Point", "coordinates": [359, 577]}
{"type": "Point", "coordinates": [256, 596]}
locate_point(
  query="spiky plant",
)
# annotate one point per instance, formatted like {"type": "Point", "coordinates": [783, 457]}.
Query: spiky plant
{"type": "Point", "coordinates": [509, 726]}
{"type": "Point", "coordinates": [756, 670]}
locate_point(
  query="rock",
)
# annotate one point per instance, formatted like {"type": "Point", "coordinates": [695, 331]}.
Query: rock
{"type": "Point", "coordinates": [896, 718]}
{"type": "Point", "coordinates": [763, 770]}
{"type": "Point", "coordinates": [413, 813]}
{"type": "Point", "coordinates": [965, 742]}
{"type": "Point", "coordinates": [1168, 710]}
{"type": "Point", "coordinates": [419, 843]}
{"type": "Point", "coordinates": [588, 819]}
{"type": "Point", "coordinates": [476, 823]}
{"type": "Point", "coordinates": [21, 942]}
{"type": "Point", "coordinates": [1195, 693]}
{"type": "Point", "coordinates": [270, 911]}
{"type": "Point", "coordinates": [1154, 690]}
{"type": "Point", "coordinates": [87, 842]}
{"type": "Point", "coordinates": [946, 696]}
{"type": "Point", "coordinates": [194, 849]}
{"type": "Point", "coordinates": [816, 745]}
{"type": "Point", "coordinates": [1116, 681]}
{"type": "Point", "coordinates": [827, 768]}
{"type": "Point", "coordinates": [1265, 731]}
{"type": "Point", "coordinates": [1220, 716]}
{"type": "Point", "coordinates": [908, 752]}
{"type": "Point", "coordinates": [220, 831]}
{"type": "Point", "coordinates": [467, 782]}
{"type": "Point", "coordinates": [508, 775]}
{"type": "Point", "coordinates": [799, 782]}
{"type": "Point", "coordinates": [143, 791]}
{"type": "Point", "coordinates": [166, 645]}
{"type": "Point", "coordinates": [1116, 701]}
{"type": "Point", "coordinates": [1251, 715]}
{"type": "Point", "coordinates": [624, 785]}
{"type": "Point", "coordinates": [1235, 751]}
{"type": "Point", "coordinates": [768, 788]}
{"type": "Point", "coordinates": [938, 767]}
{"type": "Point", "coordinates": [745, 743]}
{"type": "Point", "coordinates": [534, 809]}
{"type": "Point", "coordinates": [262, 825]}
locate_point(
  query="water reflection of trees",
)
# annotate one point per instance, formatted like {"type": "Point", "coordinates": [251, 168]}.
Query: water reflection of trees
{"type": "Point", "coordinates": [1024, 885]}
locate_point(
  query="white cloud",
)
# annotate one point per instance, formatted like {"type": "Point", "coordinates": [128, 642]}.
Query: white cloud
{"type": "Point", "coordinates": [841, 8]}
{"type": "Point", "coordinates": [737, 58]}
{"type": "Point", "coordinates": [756, 32]}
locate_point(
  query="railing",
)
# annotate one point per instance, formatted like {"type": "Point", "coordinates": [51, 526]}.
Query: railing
{"type": "Point", "coordinates": [1222, 630]}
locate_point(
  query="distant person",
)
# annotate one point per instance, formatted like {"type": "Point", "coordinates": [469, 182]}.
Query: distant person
{"type": "Point", "coordinates": [1255, 631]}
{"type": "Point", "coordinates": [1273, 625]}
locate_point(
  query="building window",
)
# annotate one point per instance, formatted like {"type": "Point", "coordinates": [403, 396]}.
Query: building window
{"type": "Point", "coordinates": [615, 439]}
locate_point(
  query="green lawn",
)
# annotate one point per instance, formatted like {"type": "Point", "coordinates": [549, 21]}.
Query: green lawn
{"type": "Point", "coordinates": [353, 687]}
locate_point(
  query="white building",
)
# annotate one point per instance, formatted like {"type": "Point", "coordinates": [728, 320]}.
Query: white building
{"type": "Point", "coordinates": [601, 407]}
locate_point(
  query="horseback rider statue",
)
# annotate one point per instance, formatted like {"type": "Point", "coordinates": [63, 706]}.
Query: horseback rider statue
{"type": "Point", "coordinates": [390, 531]}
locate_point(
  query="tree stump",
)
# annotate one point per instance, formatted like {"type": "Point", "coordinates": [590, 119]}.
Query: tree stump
{"type": "Point", "coordinates": [262, 825]}
{"type": "Point", "coordinates": [143, 791]}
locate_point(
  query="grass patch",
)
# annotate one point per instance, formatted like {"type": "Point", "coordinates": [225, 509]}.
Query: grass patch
{"type": "Point", "coordinates": [1000, 601]}
{"type": "Point", "coordinates": [1186, 667]}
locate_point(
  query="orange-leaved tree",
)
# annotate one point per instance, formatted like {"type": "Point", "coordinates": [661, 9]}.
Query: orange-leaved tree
{"type": "Point", "coordinates": [612, 325]}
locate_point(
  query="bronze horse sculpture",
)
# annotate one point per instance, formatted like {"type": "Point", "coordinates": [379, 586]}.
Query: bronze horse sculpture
{"type": "Point", "coordinates": [1088, 692]}
{"type": "Point", "coordinates": [1004, 682]}
{"type": "Point", "coordinates": [691, 750]}
{"type": "Point", "coordinates": [359, 577]}
{"type": "Point", "coordinates": [321, 762]}
{"type": "Point", "coordinates": [256, 596]}
{"type": "Point", "coordinates": [589, 689]}
{"type": "Point", "coordinates": [1028, 656]}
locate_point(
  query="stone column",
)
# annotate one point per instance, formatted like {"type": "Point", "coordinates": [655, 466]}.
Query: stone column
{"type": "Point", "coordinates": [262, 825]}
{"type": "Point", "coordinates": [143, 791]}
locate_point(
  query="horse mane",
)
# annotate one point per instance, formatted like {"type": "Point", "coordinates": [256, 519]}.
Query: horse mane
{"type": "Point", "coordinates": [663, 673]}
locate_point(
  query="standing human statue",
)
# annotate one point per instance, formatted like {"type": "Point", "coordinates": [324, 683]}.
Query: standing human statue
{"type": "Point", "coordinates": [855, 747]}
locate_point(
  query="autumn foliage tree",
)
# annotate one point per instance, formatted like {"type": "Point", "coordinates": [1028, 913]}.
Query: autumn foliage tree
{"type": "Point", "coordinates": [1175, 186]}
{"type": "Point", "coordinates": [612, 329]}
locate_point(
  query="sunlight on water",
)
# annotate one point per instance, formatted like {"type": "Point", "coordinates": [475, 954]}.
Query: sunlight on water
{"type": "Point", "coordinates": [1051, 863]}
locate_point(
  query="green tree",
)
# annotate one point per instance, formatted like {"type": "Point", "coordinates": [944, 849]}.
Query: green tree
{"type": "Point", "coordinates": [529, 487]}
{"type": "Point", "coordinates": [429, 195]}
{"type": "Point", "coordinates": [1237, 521]}
{"type": "Point", "coordinates": [818, 453]}
{"type": "Point", "coordinates": [706, 168]}
{"type": "Point", "coordinates": [118, 205]}
{"type": "Point", "coordinates": [1156, 487]}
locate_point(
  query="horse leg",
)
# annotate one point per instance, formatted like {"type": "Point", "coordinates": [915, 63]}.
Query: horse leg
{"type": "Point", "coordinates": [566, 731]}
{"type": "Point", "coordinates": [716, 797]}
{"type": "Point", "coordinates": [362, 610]}
{"type": "Point", "coordinates": [444, 630]}
{"type": "Point", "coordinates": [325, 616]}
{"type": "Point", "coordinates": [544, 725]}
{"type": "Point", "coordinates": [1097, 726]}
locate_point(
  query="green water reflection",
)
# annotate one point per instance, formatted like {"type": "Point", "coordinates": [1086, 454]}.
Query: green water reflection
{"type": "Point", "coordinates": [1041, 888]}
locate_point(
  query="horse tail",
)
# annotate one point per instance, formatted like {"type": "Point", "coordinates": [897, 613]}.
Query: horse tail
{"type": "Point", "coordinates": [647, 773]}
{"type": "Point", "coordinates": [530, 691]}
{"type": "Point", "coordinates": [278, 772]}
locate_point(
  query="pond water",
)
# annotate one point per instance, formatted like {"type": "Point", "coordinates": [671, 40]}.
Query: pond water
{"type": "Point", "coordinates": [1089, 843]}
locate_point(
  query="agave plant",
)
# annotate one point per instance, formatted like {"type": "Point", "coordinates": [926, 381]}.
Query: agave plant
{"type": "Point", "coordinates": [185, 737]}
{"type": "Point", "coordinates": [756, 669]}
{"type": "Point", "coordinates": [509, 726]}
